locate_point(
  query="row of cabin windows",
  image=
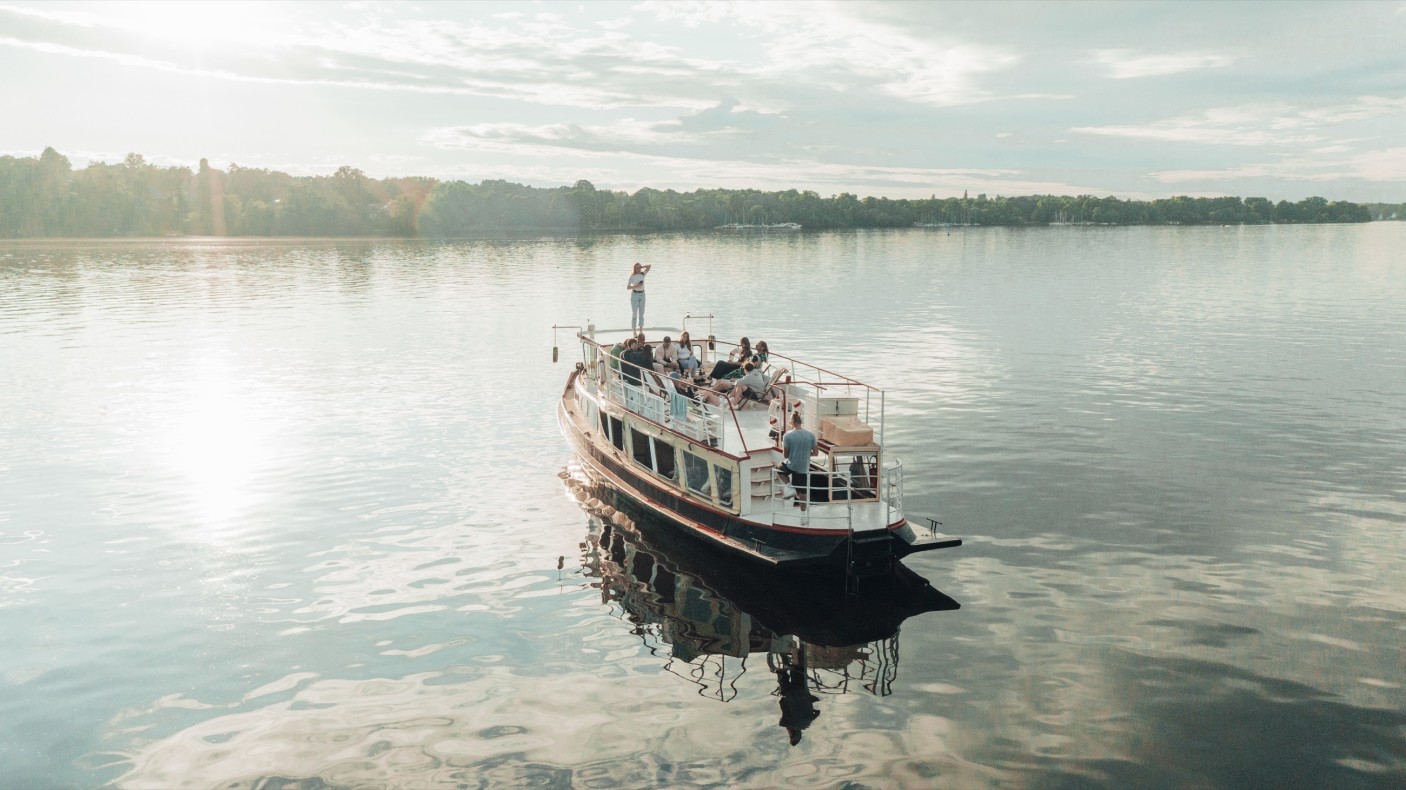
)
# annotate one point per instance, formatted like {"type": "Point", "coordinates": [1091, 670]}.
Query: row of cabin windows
{"type": "Point", "coordinates": [657, 455]}
{"type": "Point", "coordinates": [856, 476]}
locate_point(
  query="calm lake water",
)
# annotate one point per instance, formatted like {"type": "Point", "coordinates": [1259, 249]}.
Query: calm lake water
{"type": "Point", "coordinates": [290, 514]}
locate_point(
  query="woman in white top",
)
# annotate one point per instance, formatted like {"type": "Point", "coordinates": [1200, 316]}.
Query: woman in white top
{"type": "Point", "coordinates": [635, 286]}
{"type": "Point", "coordinates": [688, 361]}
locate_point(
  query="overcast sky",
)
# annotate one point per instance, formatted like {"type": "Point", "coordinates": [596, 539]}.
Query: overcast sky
{"type": "Point", "coordinates": [904, 99]}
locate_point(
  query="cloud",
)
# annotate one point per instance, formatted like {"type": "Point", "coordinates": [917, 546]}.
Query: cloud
{"type": "Point", "coordinates": [544, 58]}
{"type": "Point", "coordinates": [541, 59]}
{"type": "Point", "coordinates": [1362, 109]}
{"type": "Point", "coordinates": [1388, 165]}
{"type": "Point", "coordinates": [545, 92]}
{"type": "Point", "coordinates": [624, 135]}
{"type": "Point", "coordinates": [840, 45]}
{"type": "Point", "coordinates": [1125, 64]}
{"type": "Point", "coordinates": [1278, 123]}
{"type": "Point", "coordinates": [589, 153]}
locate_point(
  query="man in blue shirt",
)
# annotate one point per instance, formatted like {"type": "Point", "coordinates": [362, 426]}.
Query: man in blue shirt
{"type": "Point", "coordinates": [797, 447]}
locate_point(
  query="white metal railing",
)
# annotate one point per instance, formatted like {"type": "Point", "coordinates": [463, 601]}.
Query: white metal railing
{"type": "Point", "coordinates": [892, 481]}
{"type": "Point", "coordinates": [688, 417]}
{"type": "Point", "coordinates": [842, 490]}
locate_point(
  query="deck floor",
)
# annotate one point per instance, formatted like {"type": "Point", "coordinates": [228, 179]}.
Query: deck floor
{"type": "Point", "coordinates": [748, 433]}
{"type": "Point", "coordinates": [867, 515]}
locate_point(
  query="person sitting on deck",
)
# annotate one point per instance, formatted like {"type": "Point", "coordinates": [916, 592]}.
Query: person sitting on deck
{"type": "Point", "coordinates": [731, 368]}
{"type": "Point", "coordinates": [742, 353]}
{"type": "Point", "coordinates": [668, 357]}
{"type": "Point", "coordinates": [631, 360]}
{"type": "Point", "coordinates": [762, 353]}
{"type": "Point", "coordinates": [648, 355]}
{"type": "Point", "coordinates": [692, 391]}
{"type": "Point", "coordinates": [752, 386]}
{"type": "Point", "coordinates": [688, 361]}
{"type": "Point", "coordinates": [797, 448]}
{"type": "Point", "coordinates": [615, 352]}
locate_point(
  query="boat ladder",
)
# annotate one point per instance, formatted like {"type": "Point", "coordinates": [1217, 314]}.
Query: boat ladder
{"type": "Point", "coordinates": [869, 557]}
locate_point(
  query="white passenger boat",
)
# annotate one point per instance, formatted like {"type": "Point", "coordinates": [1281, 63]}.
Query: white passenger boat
{"type": "Point", "coordinates": [712, 470]}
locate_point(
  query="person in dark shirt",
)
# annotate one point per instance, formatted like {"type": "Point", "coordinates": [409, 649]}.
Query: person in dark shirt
{"type": "Point", "coordinates": [630, 361]}
{"type": "Point", "coordinates": [732, 366]}
{"type": "Point", "coordinates": [646, 354]}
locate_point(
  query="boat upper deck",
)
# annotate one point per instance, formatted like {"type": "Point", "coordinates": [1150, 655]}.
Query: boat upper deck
{"type": "Point", "coordinates": [841, 410]}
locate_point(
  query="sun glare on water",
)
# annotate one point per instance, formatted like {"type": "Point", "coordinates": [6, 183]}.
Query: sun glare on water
{"type": "Point", "coordinates": [216, 445]}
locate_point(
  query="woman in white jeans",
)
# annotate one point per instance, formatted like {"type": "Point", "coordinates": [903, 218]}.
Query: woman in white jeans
{"type": "Point", "coordinates": [635, 286]}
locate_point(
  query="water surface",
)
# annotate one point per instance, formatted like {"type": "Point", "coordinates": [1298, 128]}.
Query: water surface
{"type": "Point", "coordinates": [291, 513]}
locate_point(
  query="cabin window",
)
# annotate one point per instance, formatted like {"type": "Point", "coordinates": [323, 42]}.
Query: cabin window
{"type": "Point", "coordinates": [653, 453]}
{"type": "Point", "coordinates": [617, 433]}
{"type": "Point", "coordinates": [664, 459]}
{"type": "Point", "coordinates": [724, 477]}
{"type": "Point", "coordinates": [695, 472]}
{"type": "Point", "coordinates": [639, 447]}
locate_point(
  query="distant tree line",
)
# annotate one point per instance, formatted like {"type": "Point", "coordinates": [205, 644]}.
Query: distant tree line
{"type": "Point", "coordinates": [1387, 211]}
{"type": "Point", "coordinates": [46, 197]}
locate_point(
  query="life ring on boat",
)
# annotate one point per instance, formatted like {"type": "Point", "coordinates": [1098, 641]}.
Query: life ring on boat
{"type": "Point", "coordinates": [779, 413]}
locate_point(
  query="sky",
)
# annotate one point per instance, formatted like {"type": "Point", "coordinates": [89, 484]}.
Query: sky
{"type": "Point", "coordinates": [900, 99]}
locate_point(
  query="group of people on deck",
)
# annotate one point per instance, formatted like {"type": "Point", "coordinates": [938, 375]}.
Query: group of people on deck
{"type": "Point", "coordinates": [739, 379]}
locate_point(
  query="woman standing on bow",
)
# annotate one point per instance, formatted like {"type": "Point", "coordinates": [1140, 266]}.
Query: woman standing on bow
{"type": "Point", "coordinates": [635, 286]}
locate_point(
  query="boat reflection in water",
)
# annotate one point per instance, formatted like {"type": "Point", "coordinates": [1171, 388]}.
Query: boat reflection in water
{"type": "Point", "coordinates": [705, 614]}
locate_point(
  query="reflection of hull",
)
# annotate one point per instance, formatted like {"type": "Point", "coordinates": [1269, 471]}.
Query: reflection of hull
{"type": "Point", "coordinates": [816, 609]}
{"type": "Point", "coordinates": [706, 613]}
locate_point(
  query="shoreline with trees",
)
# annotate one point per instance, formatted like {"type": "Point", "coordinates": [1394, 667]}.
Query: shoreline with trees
{"type": "Point", "coordinates": [44, 197]}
